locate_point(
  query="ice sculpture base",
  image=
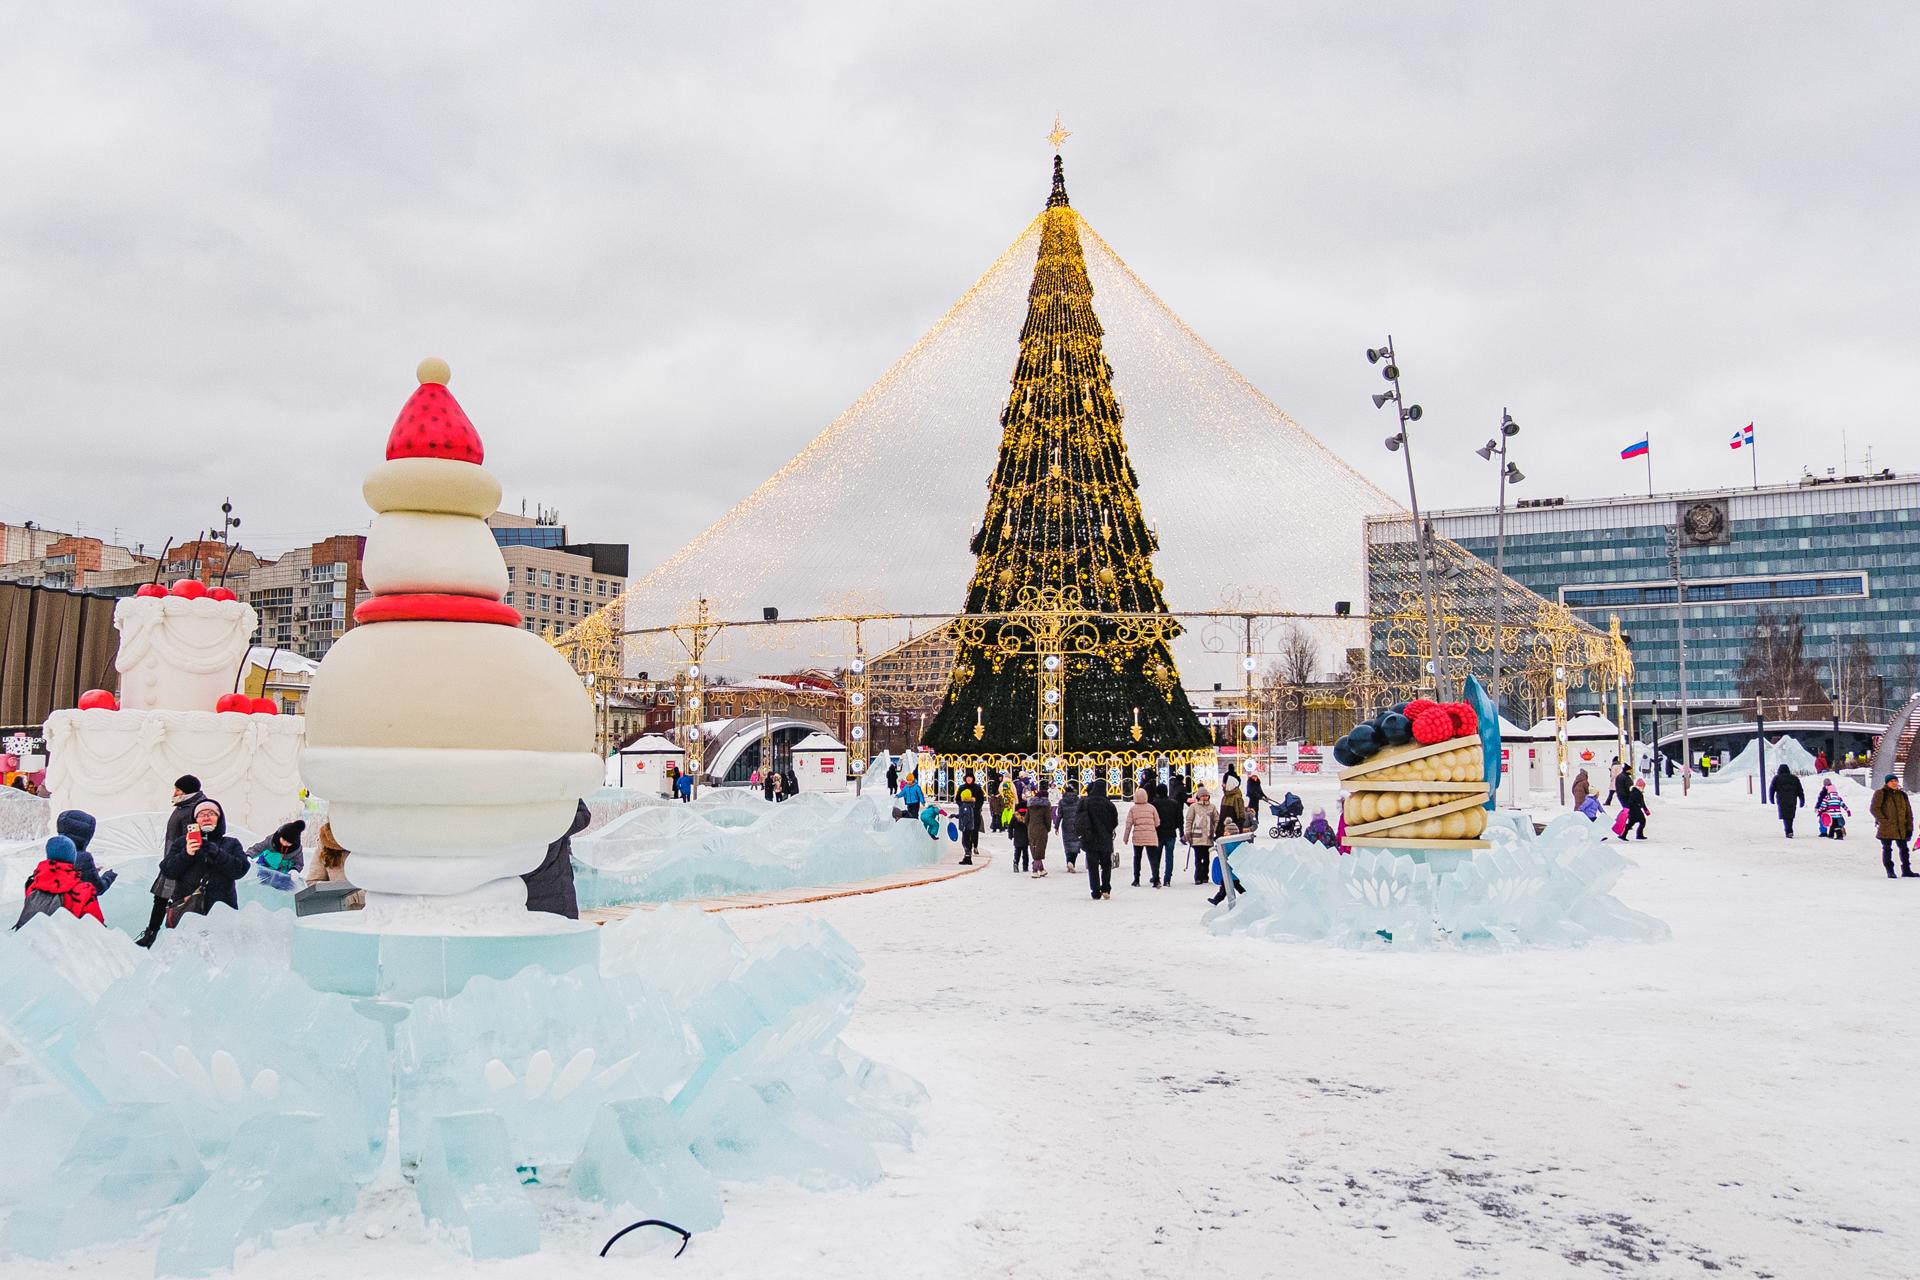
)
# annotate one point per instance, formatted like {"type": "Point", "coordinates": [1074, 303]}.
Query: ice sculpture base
{"type": "Point", "coordinates": [401, 949]}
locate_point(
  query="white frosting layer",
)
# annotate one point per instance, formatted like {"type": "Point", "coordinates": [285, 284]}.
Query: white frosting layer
{"type": "Point", "coordinates": [112, 763]}
{"type": "Point", "coordinates": [409, 551]}
{"type": "Point", "coordinates": [178, 654]}
{"type": "Point", "coordinates": [432, 484]}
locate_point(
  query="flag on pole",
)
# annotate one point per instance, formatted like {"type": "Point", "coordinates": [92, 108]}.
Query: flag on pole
{"type": "Point", "coordinates": [1744, 436]}
{"type": "Point", "coordinates": [1634, 451]}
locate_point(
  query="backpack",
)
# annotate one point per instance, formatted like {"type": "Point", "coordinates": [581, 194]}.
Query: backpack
{"type": "Point", "coordinates": [54, 885]}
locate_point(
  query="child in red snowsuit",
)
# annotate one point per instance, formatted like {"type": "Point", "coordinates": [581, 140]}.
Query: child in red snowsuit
{"type": "Point", "coordinates": [56, 883]}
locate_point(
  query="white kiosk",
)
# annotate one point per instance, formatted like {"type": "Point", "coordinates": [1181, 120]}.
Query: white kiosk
{"type": "Point", "coordinates": [1517, 765]}
{"type": "Point", "coordinates": [1592, 743]}
{"type": "Point", "coordinates": [642, 764]}
{"type": "Point", "coordinates": [820, 763]}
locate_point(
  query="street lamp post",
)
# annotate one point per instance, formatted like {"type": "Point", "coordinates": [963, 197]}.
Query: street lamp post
{"type": "Point", "coordinates": [1680, 643]}
{"type": "Point", "coordinates": [1398, 442]}
{"type": "Point", "coordinates": [1510, 473]}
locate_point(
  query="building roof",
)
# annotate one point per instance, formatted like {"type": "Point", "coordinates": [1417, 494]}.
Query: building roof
{"type": "Point", "coordinates": [283, 660]}
{"type": "Point", "coordinates": [1811, 485]}
{"type": "Point", "coordinates": [651, 744]}
{"type": "Point", "coordinates": [819, 742]}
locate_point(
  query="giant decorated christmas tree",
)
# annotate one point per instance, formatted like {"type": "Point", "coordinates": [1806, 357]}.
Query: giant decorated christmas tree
{"type": "Point", "coordinates": [1063, 653]}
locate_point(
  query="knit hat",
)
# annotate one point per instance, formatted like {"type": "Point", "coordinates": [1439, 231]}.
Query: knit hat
{"type": "Point", "coordinates": [291, 831]}
{"type": "Point", "coordinates": [1893, 777]}
{"type": "Point", "coordinates": [186, 784]}
{"type": "Point", "coordinates": [60, 849]}
{"type": "Point", "coordinates": [76, 825]}
{"type": "Point", "coordinates": [204, 806]}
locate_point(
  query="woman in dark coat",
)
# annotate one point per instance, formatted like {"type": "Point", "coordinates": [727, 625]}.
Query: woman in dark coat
{"type": "Point", "coordinates": [206, 859]}
{"type": "Point", "coordinates": [550, 885]}
{"type": "Point", "coordinates": [1788, 796]}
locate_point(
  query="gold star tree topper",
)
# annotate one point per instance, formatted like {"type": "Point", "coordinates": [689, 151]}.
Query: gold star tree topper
{"type": "Point", "coordinates": [1058, 135]}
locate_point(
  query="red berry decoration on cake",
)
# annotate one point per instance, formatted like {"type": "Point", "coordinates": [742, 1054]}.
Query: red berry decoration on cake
{"type": "Point", "coordinates": [432, 424]}
{"type": "Point", "coordinates": [1432, 725]}
{"type": "Point", "coordinates": [1418, 705]}
{"type": "Point", "coordinates": [190, 588]}
{"type": "Point", "coordinates": [1466, 720]}
{"type": "Point", "coordinates": [239, 702]}
{"type": "Point", "coordinates": [151, 591]}
{"type": "Point", "coordinates": [265, 707]}
{"type": "Point", "coordinates": [221, 593]}
{"type": "Point", "coordinates": [99, 700]}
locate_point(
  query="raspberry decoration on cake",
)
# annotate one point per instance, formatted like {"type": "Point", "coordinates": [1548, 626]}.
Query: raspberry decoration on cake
{"type": "Point", "coordinates": [432, 424]}
{"type": "Point", "coordinates": [1435, 724]}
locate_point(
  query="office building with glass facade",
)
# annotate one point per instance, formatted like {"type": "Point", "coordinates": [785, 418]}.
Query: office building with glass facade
{"type": "Point", "coordinates": [1843, 555]}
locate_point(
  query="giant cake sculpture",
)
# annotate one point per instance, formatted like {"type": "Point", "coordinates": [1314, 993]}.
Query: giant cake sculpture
{"type": "Point", "coordinates": [179, 659]}
{"type": "Point", "coordinates": [450, 744]}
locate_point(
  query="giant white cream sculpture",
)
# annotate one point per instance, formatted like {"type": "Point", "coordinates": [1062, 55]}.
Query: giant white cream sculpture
{"type": "Point", "coordinates": [180, 655]}
{"type": "Point", "coordinates": [450, 744]}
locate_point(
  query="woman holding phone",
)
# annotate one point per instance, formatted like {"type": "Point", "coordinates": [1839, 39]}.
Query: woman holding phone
{"type": "Point", "coordinates": [204, 866]}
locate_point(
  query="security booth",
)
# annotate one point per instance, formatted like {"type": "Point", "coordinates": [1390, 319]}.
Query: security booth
{"type": "Point", "coordinates": [1517, 765]}
{"type": "Point", "coordinates": [642, 764]}
{"type": "Point", "coordinates": [820, 763]}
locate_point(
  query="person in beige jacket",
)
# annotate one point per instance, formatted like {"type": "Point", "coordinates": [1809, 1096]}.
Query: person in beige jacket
{"type": "Point", "coordinates": [330, 863]}
{"type": "Point", "coordinates": [1202, 825]}
{"type": "Point", "coordinates": [1141, 829]}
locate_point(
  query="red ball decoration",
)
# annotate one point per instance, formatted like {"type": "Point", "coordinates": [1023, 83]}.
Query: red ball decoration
{"type": "Point", "coordinates": [190, 588]}
{"type": "Point", "coordinates": [221, 593]}
{"type": "Point", "coordinates": [151, 591]}
{"type": "Point", "coordinates": [265, 707]}
{"type": "Point", "coordinates": [1431, 726]}
{"type": "Point", "coordinates": [239, 702]}
{"type": "Point", "coordinates": [99, 700]}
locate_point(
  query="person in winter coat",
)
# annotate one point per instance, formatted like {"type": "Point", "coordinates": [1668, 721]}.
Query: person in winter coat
{"type": "Point", "coordinates": [791, 780]}
{"type": "Point", "coordinates": [278, 859]}
{"type": "Point", "coordinates": [78, 826]}
{"type": "Point", "coordinates": [968, 800]}
{"type": "Point", "coordinates": [1581, 787]}
{"type": "Point", "coordinates": [186, 794]}
{"type": "Point", "coordinates": [1229, 843]}
{"type": "Point", "coordinates": [56, 884]}
{"type": "Point", "coordinates": [1634, 801]}
{"type": "Point", "coordinates": [330, 864]}
{"type": "Point", "coordinates": [911, 798]}
{"type": "Point", "coordinates": [1141, 829]}
{"type": "Point", "coordinates": [1017, 832]}
{"type": "Point", "coordinates": [1833, 812]}
{"type": "Point", "coordinates": [1590, 807]}
{"type": "Point", "coordinates": [1167, 810]}
{"type": "Point", "coordinates": [550, 885]}
{"type": "Point", "coordinates": [1067, 821]}
{"type": "Point", "coordinates": [1202, 825]}
{"type": "Point", "coordinates": [683, 786]}
{"type": "Point", "coordinates": [1320, 831]}
{"type": "Point", "coordinates": [1820, 761]}
{"type": "Point", "coordinates": [1099, 819]}
{"type": "Point", "coordinates": [770, 780]}
{"type": "Point", "coordinates": [207, 863]}
{"type": "Point", "coordinates": [1039, 827]}
{"type": "Point", "coordinates": [1893, 823]}
{"type": "Point", "coordinates": [1233, 804]}
{"type": "Point", "coordinates": [1256, 793]}
{"type": "Point", "coordinates": [1788, 796]}
{"type": "Point", "coordinates": [893, 779]}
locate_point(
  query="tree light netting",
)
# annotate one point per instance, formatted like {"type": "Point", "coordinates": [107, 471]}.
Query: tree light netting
{"type": "Point", "coordinates": [875, 514]}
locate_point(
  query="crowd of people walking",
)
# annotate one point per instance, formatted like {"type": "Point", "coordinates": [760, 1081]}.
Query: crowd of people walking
{"type": "Point", "coordinates": [1093, 828]}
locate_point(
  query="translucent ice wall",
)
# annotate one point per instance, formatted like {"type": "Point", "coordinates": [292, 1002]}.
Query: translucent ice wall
{"type": "Point", "coordinates": [732, 841]}
{"type": "Point", "coordinates": [1787, 751]}
{"type": "Point", "coordinates": [201, 1094]}
{"type": "Point", "coordinates": [1550, 890]}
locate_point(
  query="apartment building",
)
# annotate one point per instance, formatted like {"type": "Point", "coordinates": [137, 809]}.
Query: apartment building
{"type": "Point", "coordinates": [553, 582]}
{"type": "Point", "coordinates": [306, 598]}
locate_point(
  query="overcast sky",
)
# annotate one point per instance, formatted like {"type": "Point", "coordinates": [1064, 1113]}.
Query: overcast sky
{"type": "Point", "coordinates": [662, 245]}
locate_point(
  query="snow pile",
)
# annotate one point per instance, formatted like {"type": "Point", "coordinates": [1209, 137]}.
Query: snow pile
{"type": "Point", "coordinates": [204, 1090]}
{"type": "Point", "coordinates": [1553, 890]}
{"type": "Point", "coordinates": [732, 841]}
{"type": "Point", "coordinates": [1787, 751]}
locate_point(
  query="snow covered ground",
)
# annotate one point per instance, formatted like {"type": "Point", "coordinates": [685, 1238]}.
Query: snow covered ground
{"type": "Point", "coordinates": [1115, 1092]}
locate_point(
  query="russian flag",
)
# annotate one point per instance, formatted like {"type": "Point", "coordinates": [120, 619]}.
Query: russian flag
{"type": "Point", "coordinates": [1634, 451]}
{"type": "Point", "coordinates": [1744, 436]}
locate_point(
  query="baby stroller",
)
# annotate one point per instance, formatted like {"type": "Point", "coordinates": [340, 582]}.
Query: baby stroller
{"type": "Point", "coordinates": [1287, 813]}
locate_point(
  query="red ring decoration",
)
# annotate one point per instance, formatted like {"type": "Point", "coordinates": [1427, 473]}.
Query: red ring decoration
{"type": "Point", "coordinates": [426, 607]}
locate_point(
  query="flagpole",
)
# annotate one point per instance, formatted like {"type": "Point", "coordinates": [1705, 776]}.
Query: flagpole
{"type": "Point", "coordinates": [1753, 449]}
{"type": "Point", "coordinates": [1649, 464]}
